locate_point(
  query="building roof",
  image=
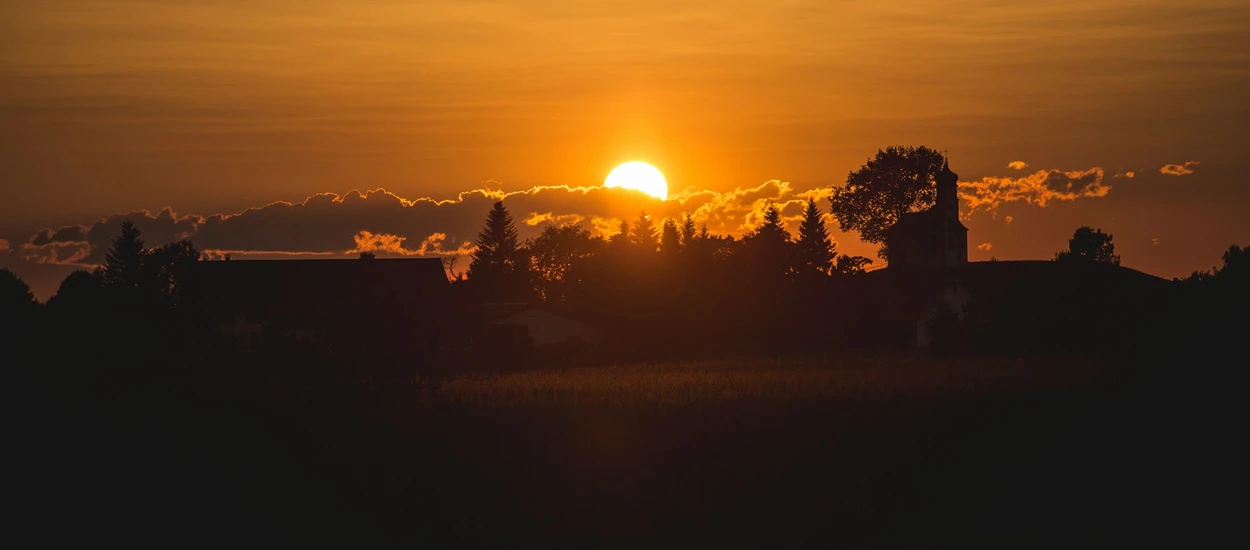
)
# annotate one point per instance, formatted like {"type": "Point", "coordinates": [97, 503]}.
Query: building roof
{"type": "Point", "coordinates": [925, 220]}
{"type": "Point", "coordinates": [326, 292]}
{"type": "Point", "coordinates": [905, 291]}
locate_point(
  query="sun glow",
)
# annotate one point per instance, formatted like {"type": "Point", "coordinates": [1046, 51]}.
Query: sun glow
{"type": "Point", "coordinates": [640, 176]}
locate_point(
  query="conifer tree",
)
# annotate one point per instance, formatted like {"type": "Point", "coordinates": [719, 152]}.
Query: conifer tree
{"type": "Point", "coordinates": [688, 230]}
{"type": "Point", "coordinates": [814, 250]}
{"type": "Point", "coordinates": [642, 234]}
{"type": "Point", "coordinates": [497, 263]}
{"type": "Point", "coordinates": [123, 263]}
{"type": "Point", "coordinates": [670, 239]}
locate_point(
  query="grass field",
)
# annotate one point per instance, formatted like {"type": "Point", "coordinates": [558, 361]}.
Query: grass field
{"type": "Point", "coordinates": [865, 452]}
{"type": "Point", "coordinates": [693, 383]}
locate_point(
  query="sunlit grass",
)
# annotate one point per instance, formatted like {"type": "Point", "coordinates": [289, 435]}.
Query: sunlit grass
{"type": "Point", "coordinates": [680, 383]}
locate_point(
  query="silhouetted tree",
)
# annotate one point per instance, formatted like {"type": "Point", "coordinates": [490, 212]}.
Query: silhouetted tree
{"type": "Point", "coordinates": [850, 265]}
{"type": "Point", "coordinates": [1236, 264]}
{"type": "Point", "coordinates": [643, 235]}
{"type": "Point", "coordinates": [688, 230]}
{"type": "Point", "coordinates": [670, 239]}
{"type": "Point", "coordinates": [768, 249]}
{"type": "Point", "coordinates": [896, 181]}
{"type": "Point", "coordinates": [367, 256]}
{"type": "Point", "coordinates": [171, 269]}
{"type": "Point", "coordinates": [79, 292]}
{"type": "Point", "coordinates": [620, 241]}
{"type": "Point", "coordinates": [499, 265]}
{"type": "Point", "coordinates": [123, 263]}
{"type": "Point", "coordinates": [814, 251]}
{"type": "Point", "coordinates": [1089, 245]}
{"type": "Point", "coordinates": [18, 306]}
{"type": "Point", "coordinates": [555, 253]}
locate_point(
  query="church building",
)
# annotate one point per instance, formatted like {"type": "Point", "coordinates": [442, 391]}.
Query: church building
{"type": "Point", "coordinates": [935, 237]}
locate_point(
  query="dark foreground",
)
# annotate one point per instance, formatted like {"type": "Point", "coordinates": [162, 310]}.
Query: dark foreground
{"type": "Point", "coordinates": [1136, 455]}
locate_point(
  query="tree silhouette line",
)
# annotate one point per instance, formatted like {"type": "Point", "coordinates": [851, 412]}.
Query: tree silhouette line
{"type": "Point", "coordinates": [665, 287]}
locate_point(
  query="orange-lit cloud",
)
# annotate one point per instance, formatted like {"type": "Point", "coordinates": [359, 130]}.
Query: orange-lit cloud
{"type": "Point", "coordinates": [1129, 174]}
{"type": "Point", "coordinates": [1038, 188]}
{"type": "Point", "coordinates": [378, 221]}
{"type": "Point", "coordinates": [985, 247]}
{"type": "Point", "coordinates": [4, 245]}
{"type": "Point", "coordinates": [1154, 241]}
{"type": "Point", "coordinates": [1179, 169]}
{"type": "Point", "coordinates": [1009, 219]}
{"type": "Point", "coordinates": [547, 217]}
{"type": "Point", "coordinates": [1017, 165]}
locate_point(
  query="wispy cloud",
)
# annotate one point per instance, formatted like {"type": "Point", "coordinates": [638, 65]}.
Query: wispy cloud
{"type": "Point", "coordinates": [1179, 169]}
{"type": "Point", "coordinates": [1017, 165]}
{"type": "Point", "coordinates": [1039, 188]}
{"type": "Point", "coordinates": [985, 247]}
{"type": "Point", "coordinates": [1128, 174]}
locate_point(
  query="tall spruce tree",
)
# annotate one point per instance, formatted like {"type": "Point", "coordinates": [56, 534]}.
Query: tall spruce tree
{"type": "Point", "coordinates": [123, 263]}
{"type": "Point", "coordinates": [688, 230]}
{"type": "Point", "coordinates": [497, 262]}
{"type": "Point", "coordinates": [670, 238]}
{"type": "Point", "coordinates": [643, 234]}
{"type": "Point", "coordinates": [814, 251]}
{"type": "Point", "coordinates": [769, 246]}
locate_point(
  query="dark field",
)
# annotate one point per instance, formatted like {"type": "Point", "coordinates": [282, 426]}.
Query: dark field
{"type": "Point", "coordinates": [870, 452]}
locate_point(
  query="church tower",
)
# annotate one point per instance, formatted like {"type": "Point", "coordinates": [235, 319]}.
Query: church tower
{"type": "Point", "coordinates": [947, 192]}
{"type": "Point", "coordinates": [955, 240]}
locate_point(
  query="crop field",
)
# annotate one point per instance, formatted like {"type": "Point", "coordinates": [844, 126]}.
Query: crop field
{"type": "Point", "coordinates": [868, 452]}
{"type": "Point", "coordinates": [693, 383]}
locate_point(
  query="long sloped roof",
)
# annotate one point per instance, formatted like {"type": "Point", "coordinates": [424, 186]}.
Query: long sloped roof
{"type": "Point", "coordinates": [340, 291]}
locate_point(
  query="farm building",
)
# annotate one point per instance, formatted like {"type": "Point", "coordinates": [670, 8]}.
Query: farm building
{"type": "Point", "coordinates": [1019, 305]}
{"type": "Point", "coordinates": [344, 304]}
{"type": "Point", "coordinates": [535, 326]}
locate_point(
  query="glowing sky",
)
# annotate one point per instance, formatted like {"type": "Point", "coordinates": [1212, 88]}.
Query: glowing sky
{"type": "Point", "coordinates": [218, 106]}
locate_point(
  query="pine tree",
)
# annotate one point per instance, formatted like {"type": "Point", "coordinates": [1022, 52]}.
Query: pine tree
{"type": "Point", "coordinates": [123, 263]}
{"type": "Point", "coordinates": [670, 239]}
{"type": "Point", "coordinates": [769, 246]}
{"type": "Point", "coordinates": [687, 229]}
{"type": "Point", "coordinates": [814, 250]}
{"type": "Point", "coordinates": [620, 240]}
{"type": "Point", "coordinates": [643, 235]}
{"type": "Point", "coordinates": [497, 262]}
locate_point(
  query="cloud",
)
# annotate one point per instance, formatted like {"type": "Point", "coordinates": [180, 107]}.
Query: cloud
{"type": "Point", "coordinates": [1125, 174]}
{"type": "Point", "coordinates": [985, 247]}
{"type": "Point", "coordinates": [379, 221]}
{"type": "Point", "coordinates": [1038, 188]}
{"type": "Point", "coordinates": [1017, 165]}
{"type": "Point", "coordinates": [547, 217]}
{"type": "Point", "coordinates": [4, 245]}
{"type": "Point", "coordinates": [1179, 169]}
{"type": "Point", "coordinates": [1009, 219]}
{"type": "Point", "coordinates": [1154, 241]}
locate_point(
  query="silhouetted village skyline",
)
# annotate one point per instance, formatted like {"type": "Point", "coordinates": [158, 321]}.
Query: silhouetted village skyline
{"type": "Point", "coordinates": [418, 388]}
{"type": "Point", "coordinates": [671, 289]}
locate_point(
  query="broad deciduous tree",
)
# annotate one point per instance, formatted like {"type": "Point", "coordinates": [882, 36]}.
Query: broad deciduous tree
{"type": "Point", "coordinates": [896, 181]}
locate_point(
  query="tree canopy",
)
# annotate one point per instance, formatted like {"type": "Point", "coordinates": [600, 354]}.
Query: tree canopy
{"type": "Point", "coordinates": [896, 181]}
{"type": "Point", "coordinates": [1089, 245]}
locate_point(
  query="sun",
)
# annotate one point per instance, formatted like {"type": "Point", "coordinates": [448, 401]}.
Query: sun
{"type": "Point", "coordinates": [640, 176]}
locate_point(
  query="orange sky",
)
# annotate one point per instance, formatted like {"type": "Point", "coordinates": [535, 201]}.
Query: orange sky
{"type": "Point", "coordinates": [217, 106]}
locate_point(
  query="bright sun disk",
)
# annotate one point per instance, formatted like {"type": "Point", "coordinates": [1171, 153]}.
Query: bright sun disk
{"type": "Point", "coordinates": [640, 176]}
